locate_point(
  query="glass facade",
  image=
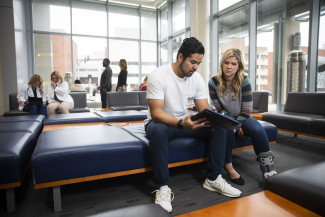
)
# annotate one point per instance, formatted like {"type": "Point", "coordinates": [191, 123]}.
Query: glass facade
{"type": "Point", "coordinates": [163, 23]}
{"type": "Point", "coordinates": [99, 30]}
{"type": "Point", "coordinates": [178, 15]}
{"type": "Point", "coordinates": [280, 37]}
{"type": "Point", "coordinates": [226, 3]}
{"type": "Point", "coordinates": [321, 51]}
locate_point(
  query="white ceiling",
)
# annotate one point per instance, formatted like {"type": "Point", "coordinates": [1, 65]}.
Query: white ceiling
{"type": "Point", "coordinates": [151, 3]}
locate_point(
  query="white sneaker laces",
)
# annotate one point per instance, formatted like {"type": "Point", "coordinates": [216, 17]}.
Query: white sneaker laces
{"type": "Point", "coordinates": [164, 195]}
{"type": "Point", "coordinates": [221, 184]}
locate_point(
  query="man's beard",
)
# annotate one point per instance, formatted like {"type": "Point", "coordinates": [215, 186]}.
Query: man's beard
{"type": "Point", "coordinates": [188, 74]}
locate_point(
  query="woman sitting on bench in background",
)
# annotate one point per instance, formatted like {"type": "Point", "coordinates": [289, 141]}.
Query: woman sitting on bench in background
{"type": "Point", "coordinates": [58, 95]}
{"type": "Point", "coordinates": [231, 93]}
{"type": "Point", "coordinates": [34, 88]}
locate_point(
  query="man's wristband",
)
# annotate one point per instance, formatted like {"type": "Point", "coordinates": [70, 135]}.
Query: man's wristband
{"type": "Point", "coordinates": [180, 124]}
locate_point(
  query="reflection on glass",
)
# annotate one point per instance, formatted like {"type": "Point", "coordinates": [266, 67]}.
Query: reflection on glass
{"type": "Point", "coordinates": [178, 15]}
{"type": "Point", "coordinates": [52, 53]}
{"type": "Point", "coordinates": [163, 24]}
{"type": "Point", "coordinates": [89, 18]}
{"type": "Point", "coordinates": [279, 59]}
{"type": "Point", "coordinates": [123, 22]}
{"type": "Point", "coordinates": [51, 16]}
{"type": "Point", "coordinates": [226, 3]}
{"type": "Point", "coordinates": [88, 67]}
{"type": "Point", "coordinates": [177, 43]}
{"type": "Point", "coordinates": [148, 25]}
{"type": "Point", "coordinates": [163, 54]}
{"type": "Point", "coordinates": [148, 58]}
{"type": "Point", "coordinates": [128, 50]}
{"type": "Point", "coordinates": [234, 33]}
{"type": "Point", "coordinates": [321, 51]}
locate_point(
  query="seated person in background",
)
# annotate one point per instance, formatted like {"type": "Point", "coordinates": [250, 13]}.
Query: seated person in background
{"type": "Point", "coordinates": [171, 89]}
{"type": "Point", "coordinates": [231, 93]}
{"type": "Point", "coordinates": [58, 95]}
{"type": "Point", "coordinates": [77, 86]}
{"type": "Point", "coordinates": [33, 89]}
{"type": "Point", "coordinates": [143, 86]}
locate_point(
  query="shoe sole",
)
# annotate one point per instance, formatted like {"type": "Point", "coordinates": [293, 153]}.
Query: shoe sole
{"type": "Point", "coordinates": [216, 190]}
{"type": "Point", "coordinates": [164, 208]}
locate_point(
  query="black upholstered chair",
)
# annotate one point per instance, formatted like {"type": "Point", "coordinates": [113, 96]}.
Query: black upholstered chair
{"type": "Point", "coordinates": [260, 101]}
{"type": "Point", "coordinates": [13, 107]}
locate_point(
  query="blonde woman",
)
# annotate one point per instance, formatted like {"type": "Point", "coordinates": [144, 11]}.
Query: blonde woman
{"type": "Point", "coordinates": [34, 88]}
{"type": "Point", "coordinates": [143, 86]}
{"type": "Point", "coordinates": [58, 95]}
{"type": "Point", "coordinates": [122, 77]}
{"type": "Point", "coordinates": [231, 93]}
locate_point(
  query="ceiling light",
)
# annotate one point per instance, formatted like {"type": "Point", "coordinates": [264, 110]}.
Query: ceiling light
{"type": "Point", "coordinates": [124, 3]}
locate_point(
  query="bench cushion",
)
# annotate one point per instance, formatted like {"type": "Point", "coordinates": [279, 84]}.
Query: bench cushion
{"type": "Point", "coordinates": [15, 112]}
{"type": "Point", "coordinates": [38, 118]}
{"type": "Point", "coordinates": [120, 116]}
{"type": "Point", "coordinates": [15, 151]}
{"type": "Point", "coordinates": [291, 120]}
{"type": "Point", "coordinates": [180, 149]}
{"type": "Point", "coordinates": [303, 186]}
{"type": "Point", "coordinates": [128, 107]}
{"type": "Point", "coordinates": [88, 151]}
{"type": "Point", "coordinates": [74, 118]}
{"type": "Point", "coordinates": [79, 110]}
{"type": "Point", "coordinates": [31, 127]}
{"type": "Point", "coordinates": [317, 127]}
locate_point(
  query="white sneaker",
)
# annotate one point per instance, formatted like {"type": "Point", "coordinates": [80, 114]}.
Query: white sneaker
{"type": "Point", "coordinates": [163, 198]}
{"type": "Point", "coordinates": [220, 185]}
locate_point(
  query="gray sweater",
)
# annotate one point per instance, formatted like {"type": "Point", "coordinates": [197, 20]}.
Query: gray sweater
{"type": "Point", "coordinates": [106, 79]}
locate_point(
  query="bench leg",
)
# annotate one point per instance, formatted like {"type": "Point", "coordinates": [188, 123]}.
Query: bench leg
{"type": "Point", "coordinates": [10, 196]}
{"type": "Point", "coordinates": [57, 199]}
{"type": "Point", "coordinates": [296, 135]}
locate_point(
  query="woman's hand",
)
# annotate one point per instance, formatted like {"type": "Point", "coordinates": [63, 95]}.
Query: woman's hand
{"type": "Point", "coordinates": [43, 103]}
{"type": "Point", "coordinates": [53, 84]}
{"type": "Point", "coordinates": [235, 131]}
{"type": "Point", "coordinates": [240, 133]}
{"type": "Point", "coordinates": [26, 101]}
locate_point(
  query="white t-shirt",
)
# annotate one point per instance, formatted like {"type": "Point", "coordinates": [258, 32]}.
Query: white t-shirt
{"type": "Point", "coordinates": [178, 93]}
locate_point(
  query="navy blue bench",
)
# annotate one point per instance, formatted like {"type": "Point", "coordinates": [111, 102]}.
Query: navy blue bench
{"type": "Point", "coordinates": [88, 154]}
{"type": "Point", "coordinates": [73, 118]}
{"type": "Point", "coordinates": [120, 116]}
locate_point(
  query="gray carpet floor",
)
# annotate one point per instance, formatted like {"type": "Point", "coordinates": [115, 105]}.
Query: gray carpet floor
{"type": "Point", "coordinates": [85, 199]}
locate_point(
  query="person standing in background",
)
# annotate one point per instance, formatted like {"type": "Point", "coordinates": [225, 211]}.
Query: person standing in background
{"type": "Point", "coordinates": [105, 84]}
{"type": "Point", "coordinates": [122, 76]}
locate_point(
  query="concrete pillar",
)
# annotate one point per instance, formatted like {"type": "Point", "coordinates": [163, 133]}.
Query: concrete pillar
{"type": "Point", "coordinates": [200, 11]}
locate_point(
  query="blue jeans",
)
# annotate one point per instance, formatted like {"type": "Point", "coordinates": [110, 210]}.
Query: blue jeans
{"type": "Point", "coordinates": [159, 136]}
{"type": "Point", "coordinates": [251, 128]}
{"type": "Point", "coordinates": [34, 110]}
{"type": "Point", "coordinates": [103, 97]}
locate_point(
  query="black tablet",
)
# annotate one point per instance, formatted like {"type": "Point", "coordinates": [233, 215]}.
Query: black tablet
{"type": "Point", "coordinates": [216, 120]}
{"type": "Point", "coordinates": [35, 101]}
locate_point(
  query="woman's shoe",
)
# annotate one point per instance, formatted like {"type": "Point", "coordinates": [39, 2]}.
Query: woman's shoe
{"type": "Point", "coordinates": [239, 181]}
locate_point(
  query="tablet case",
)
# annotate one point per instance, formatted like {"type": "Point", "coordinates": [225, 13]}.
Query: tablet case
{"type": "Point", "coordinates": [216, 120]}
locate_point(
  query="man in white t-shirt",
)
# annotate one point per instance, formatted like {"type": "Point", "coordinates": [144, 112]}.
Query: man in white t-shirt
{"type": "Point", "coordinates": [170, 91]}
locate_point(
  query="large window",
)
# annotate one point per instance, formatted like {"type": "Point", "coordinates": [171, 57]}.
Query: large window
{"type": "Point", "coordinates": [52, 16]}
{"type": "Point", "coordinates": [76, 43]}
{"type": "Point", "coordinates": [88, 57]}
{"type": "Point", "coordinates": [89, 19]}
{"type": "Point", "coordinates": [281, 36]}
{"type": "Point", "coordinates": [123, 22]}
{"type": "Point", "coordinates": [52, 53]}
{"type": "Point", "coordinates": [226, 3]}
{"type": "Point", "coordinates": [178, 15]}
{"type": "Point", "coordinates": [163, 54]}
{"type": "Point", "coordinates": [234, 33]}
{"type": "Point", "coordinates": [177, 43]}
{"type": "Point", "coordinates": [321, 51]}
{"type": "Point", "coordinates": [128, 50]}
{"type": "Point", "coordinates": [163, 23]}
{"type": "Point", "coordinates": [148, 25]}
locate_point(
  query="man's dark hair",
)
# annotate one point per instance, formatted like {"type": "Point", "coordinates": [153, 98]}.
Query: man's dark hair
{"type": "Point", "coordinates": [190, 46]}
{"type": "Point", "coordinates": [107, 60]}
{"type": "Point", "coordinates": [77, 82]}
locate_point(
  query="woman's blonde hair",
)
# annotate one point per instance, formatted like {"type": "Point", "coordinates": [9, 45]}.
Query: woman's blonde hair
{"type": "Point", "coordinates": [123, 65]}
{"type": "Point", "coordinates": [35, 78]}
{"type": "Point", "coordinates": [57, 74]}
{"type": "Point", "coordinates": [145, 79]}
{"type": "Point", "coordinates": [239, 76]}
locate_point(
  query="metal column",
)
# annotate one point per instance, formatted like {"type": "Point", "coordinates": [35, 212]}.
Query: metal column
{"type": "Point", "coordinates": [252, 42]}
